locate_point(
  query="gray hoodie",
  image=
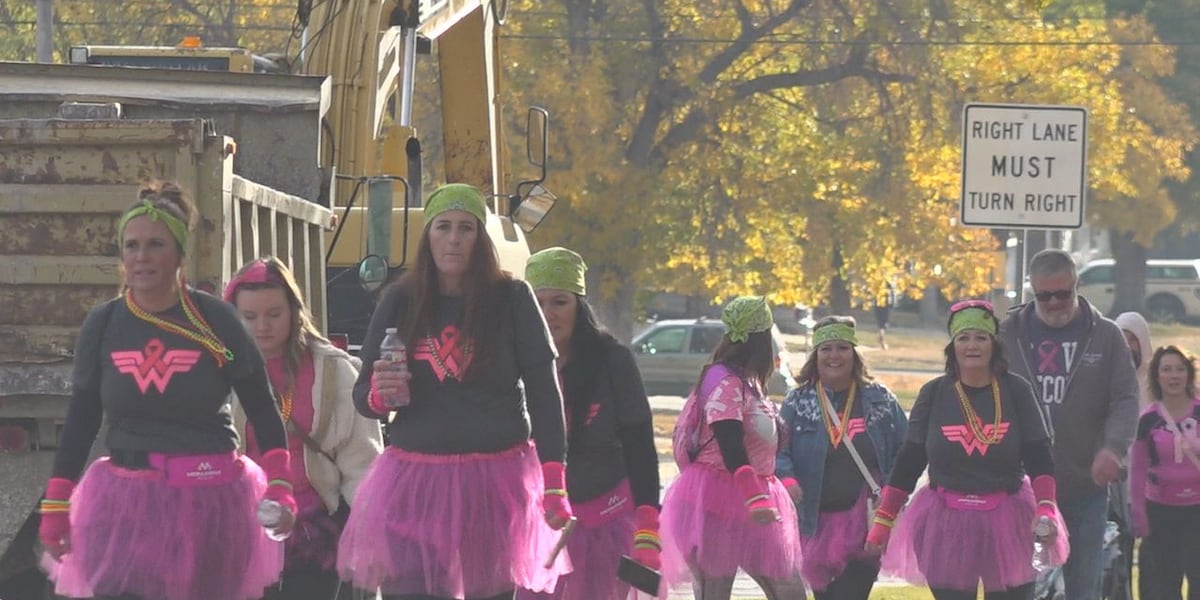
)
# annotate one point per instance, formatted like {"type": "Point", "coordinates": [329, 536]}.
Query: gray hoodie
{"type": "Point", "coordinates": [1100, 405]}
{"type": "Point", "coordinates": [1134, 323]}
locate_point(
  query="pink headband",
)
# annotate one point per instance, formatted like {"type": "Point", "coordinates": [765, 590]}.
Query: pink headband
{"type": "Point", "coordinates": [256, 272]}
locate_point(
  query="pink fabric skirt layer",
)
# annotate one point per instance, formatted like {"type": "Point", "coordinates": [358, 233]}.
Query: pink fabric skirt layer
{"type": "Point", "coordinates": [705, 526]}
{"type": "Point", "coordinates": [839, 538]}
{"type": "Point", "coordinates": [455, 526]}
{"type": "Point", "coordinates": [941, 546]}
{"type": "Point", "coordinates": [595, 552]}
{"type": "Point", "coordinates": [133, 533]}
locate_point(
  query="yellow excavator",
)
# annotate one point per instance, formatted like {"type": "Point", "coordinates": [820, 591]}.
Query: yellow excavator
{"type": "Point", "coordinates": [379, 55]}
{"type": "Point", "coordinates": [392, 65]}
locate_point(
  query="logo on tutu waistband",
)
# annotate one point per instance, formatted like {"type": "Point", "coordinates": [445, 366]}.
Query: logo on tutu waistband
{"type": "Point", "coordinates": [204, 470]}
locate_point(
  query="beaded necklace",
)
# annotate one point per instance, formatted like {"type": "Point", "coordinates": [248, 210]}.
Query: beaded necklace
{"type": "Point", "coordinates": [437, 358]}
{"type": "Point", "coordinates": [836, 433]}
{"type": "Point", "coordinates": [284, 401]}
{"type": "Point", "coordinates": [972, 418]}
{"type": "Point", "coordinates": [200, 332]}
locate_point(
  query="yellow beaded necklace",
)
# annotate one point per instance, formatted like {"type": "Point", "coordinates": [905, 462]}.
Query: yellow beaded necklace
{"type": "Point", "coordinates": [201, 332]}
{"type": "Point", "coordinates": [285, 405]}
{"type": "Point", "coordinates": [972, 418]}
{"type": "Point", "coordinates": [836, 433]}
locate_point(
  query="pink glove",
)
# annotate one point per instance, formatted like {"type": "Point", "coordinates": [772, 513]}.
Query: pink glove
{"type": "Point", "coordinates": [1045, 491]}
{"type": "Point", "coordinates": [793, 489]}
{"type": "Point", "coordinates": [375, 399]}
{"type": "Point", "coordinates": [891, 500]}
{"type": "Point", "coordinates": [276, 463]}
{"type": "Point", "coordinates": [554, 502]}
{"type": "Point", "coordinates": [647, 546]}
{"type": "Point", "coordinates": [55, 527]}
{"type": "Point", "coordinates": [758, 502]}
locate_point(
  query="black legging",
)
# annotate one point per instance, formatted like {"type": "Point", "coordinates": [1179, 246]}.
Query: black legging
{"type": "Point", "coordinates": [500, 596]}
{"type": "Point", "coordinates": [854, 583]}
{"type": "Point", "coordinates": [1023, 592]}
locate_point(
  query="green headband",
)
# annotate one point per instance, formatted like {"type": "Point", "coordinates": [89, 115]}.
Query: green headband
{"type": "Point", "coordinates": [746, 315]}
{"type": "Point", "coordinates": [147, 208]}
{"type": "Point", "coordinates": [456, 196]}
{"type": "Point", "coordinates": [834, 332]}
{"type": "Point", "coordinates": [972, 318]}
{"type": "Point", "coordinates": [557, 268]}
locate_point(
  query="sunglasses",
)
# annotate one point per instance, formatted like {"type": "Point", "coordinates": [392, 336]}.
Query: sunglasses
{"type": "Point", "coordinates": [1057, 295]}
{"type": "Point", "coordinates": [965, 304]}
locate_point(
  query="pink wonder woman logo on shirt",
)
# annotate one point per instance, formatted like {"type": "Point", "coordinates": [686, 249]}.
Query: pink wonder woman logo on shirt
{"type": "Point", "coordinates": [963, 435]}
{"type": "Point", "coordinates": [854, 427]}
{"type": "Point", "coordinates": [154, 364]}
{"type": "Point", "coordinates": [444, 353]}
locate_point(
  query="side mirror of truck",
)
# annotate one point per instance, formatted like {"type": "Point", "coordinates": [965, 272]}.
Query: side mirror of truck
{"type": "Point", "coordinates": [533, 208]}
{"type": "Point", "coordinates": [532, 199]}
{"type": "Point", "coordinates": [372, 272]}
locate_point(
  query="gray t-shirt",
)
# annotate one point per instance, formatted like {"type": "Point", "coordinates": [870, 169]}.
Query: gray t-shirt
{"type": "Point", "coordinates": [957, 460]}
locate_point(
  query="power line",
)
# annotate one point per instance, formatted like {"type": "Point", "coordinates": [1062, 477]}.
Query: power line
{"type": "Point", "coordinates": [819, 42]}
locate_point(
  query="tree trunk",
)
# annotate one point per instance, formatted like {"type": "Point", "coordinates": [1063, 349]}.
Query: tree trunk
{"type": "Point", "coordinates": [614, 313]}
{"type": "Point", "coordinates": [1129, 272]}
{"type": "Point", "coordinates": [839, 292]}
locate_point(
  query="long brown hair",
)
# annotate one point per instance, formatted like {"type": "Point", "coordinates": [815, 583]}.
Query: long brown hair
{"type": "Point", "coordinates": [752, 359]}
{"type": "Point", "coordinates": [484, 297]}
{"type": "Point", "coordinates": [303, 332]}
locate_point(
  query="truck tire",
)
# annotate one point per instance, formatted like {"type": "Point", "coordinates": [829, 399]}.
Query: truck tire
{"type": "Point", "coordinates": [1164, 308]}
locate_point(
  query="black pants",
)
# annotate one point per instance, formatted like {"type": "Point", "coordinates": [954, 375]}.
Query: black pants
{"type": "Point", "coordinates": [309, 583]}
{"type": "Point", "coordinates": [1024, 592]}
{"type": "Point", "coordinates": [854, 583]}
{"type": "Point", "coordinates": [502, 596]}
{"type": "Point", "coordinates": [1170, 552]}
{"type": "Point", "coordinates": [721, 588]}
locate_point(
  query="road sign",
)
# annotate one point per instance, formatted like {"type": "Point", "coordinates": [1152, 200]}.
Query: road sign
{"type": "Point", "coordinates": [1024, 166]}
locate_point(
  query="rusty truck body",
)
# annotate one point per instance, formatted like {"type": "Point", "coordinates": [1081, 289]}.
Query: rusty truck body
{"type": "Point", "coordinates": [75, 143]}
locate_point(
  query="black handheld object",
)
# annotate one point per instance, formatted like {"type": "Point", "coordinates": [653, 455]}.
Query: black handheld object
{"type": "Point", "coordinates": [639, 576]}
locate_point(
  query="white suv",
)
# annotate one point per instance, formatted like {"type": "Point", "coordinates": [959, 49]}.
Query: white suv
{"type": "Point", "coordinates": [1172, 287]}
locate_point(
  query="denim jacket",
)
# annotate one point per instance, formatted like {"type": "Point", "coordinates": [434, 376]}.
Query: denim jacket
{"type": "Point", "coordinates": [803, 457]}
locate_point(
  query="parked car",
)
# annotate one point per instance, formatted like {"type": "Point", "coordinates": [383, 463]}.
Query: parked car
{"type": "Point", "coordinates": [1172, 287]}
{"type": "Point", "coordinates": [671, 353]}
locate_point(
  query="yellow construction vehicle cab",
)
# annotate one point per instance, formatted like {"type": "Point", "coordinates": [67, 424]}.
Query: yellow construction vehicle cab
{"type": "Point", "coordinates": [372, 50]}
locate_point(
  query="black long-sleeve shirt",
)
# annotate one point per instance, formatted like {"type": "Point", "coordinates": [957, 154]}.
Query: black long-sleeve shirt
{"type": "Point", "coordinates": [163, 392]}
{"type": "Point", "coordinates": [517, 399]}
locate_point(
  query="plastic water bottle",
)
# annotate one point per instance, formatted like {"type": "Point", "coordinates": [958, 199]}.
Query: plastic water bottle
{"type": "Point", "coordinates": [393, 352]}
{"type": "Point", "coordinates": [271, 515]}
{"type": "Point", "coordinates": [1041, 554]}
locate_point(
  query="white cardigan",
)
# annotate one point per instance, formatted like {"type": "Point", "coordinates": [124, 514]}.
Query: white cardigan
{"type": "Point", "coordinates": [352, 440]}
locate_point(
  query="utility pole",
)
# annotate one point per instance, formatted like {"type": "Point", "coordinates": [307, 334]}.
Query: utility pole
{"type": "Point", "coordinates": [45, 31]}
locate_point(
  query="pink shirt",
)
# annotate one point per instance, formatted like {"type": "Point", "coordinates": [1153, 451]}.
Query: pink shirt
{"type": "Point", "coordinates": [1170, 479]}
{"type": "Point", "coordinates": [727, 397]}
{"type": "Point", "coordinates": [302, 415]}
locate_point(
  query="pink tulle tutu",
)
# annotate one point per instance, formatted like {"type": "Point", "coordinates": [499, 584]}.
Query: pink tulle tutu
{"type": "Point", "coordinates": [595, 552]}
{"type": "Point", "coordinates": [705, 526]}
{"type": "Point", "coordinates": [839, 538]}
{"type": "Point", "coordinates": [941, 546]}
{"type": "Point", "coordinates": [455, 526]}
{"type": "Point", "coordinates": [133, 533]}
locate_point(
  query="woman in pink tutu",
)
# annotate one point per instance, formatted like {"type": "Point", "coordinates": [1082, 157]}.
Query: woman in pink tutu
{"type": "Point", "coordinates": [462, 503]}
{"type": "Point", "coordinates": [613, 480]}
{"type": "Point", "coordinates": [331, 444]}
{"type": "Point", "coordinates": [170, 513]}
{"type": "Point", "coordinates": [982, 434]}
{"type": "Point", "coordinates": [1164, 476]}
{"type": "Point", "coordinates": [726, 510]}
{"type": "Point", "coordinates": [843, 429]}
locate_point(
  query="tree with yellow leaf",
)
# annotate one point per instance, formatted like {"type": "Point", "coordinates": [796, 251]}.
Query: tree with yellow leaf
{"type": "Point", "coordinates": [805, 150]}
